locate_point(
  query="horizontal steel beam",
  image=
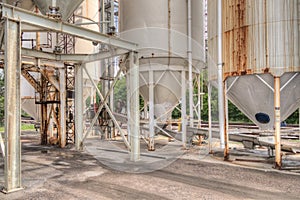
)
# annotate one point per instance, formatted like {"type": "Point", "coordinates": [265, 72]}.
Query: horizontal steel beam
{"type": "Point", "coordinates": [29, 57]}
{"type": "Point", "coordinates": [33, 19]}
{"type": "Point", "coordinates": [78, 58]}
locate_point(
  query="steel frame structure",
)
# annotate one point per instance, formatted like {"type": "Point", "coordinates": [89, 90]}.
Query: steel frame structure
{"type": "Point", "coordinates": [16, 21]}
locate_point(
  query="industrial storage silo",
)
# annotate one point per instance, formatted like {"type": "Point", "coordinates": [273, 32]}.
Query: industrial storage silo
{"type": "Point", "coordinates": [261, 40]}
{"type": "Point", "coordinates": [160, 28]}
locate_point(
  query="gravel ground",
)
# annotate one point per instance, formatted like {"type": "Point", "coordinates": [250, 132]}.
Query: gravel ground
{"type": "Point", "coordinates": [53, 173]}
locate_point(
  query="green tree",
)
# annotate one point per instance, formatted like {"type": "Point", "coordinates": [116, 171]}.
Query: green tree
{"type": "Point", "coordinates": [235, 115]}
{"type": "Point", "coordinates": [120, 92]}
{"type": "Point", "coordinates": [293, 118]}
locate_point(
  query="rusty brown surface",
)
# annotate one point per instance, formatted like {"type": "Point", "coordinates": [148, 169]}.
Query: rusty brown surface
{"type": "Point", "coordinates": [235, 47]}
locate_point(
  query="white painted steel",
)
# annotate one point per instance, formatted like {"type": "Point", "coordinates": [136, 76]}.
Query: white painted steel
{"type": "Point", "coordinates": [12, 107]}
{"type": "Point", "coordinates": [160, 30]}
{"type": "Point", "coordinates": [79, 106]}
{"type": "Point", "coordinates": [190, 65]}
{"type": "Point", "coordinates": [220, 77]}
{"type": "Point", "coordinates": [183, 110]}
{"type": "Point", "coordinates": [63, 108]}
{"type": "Point", "coordinates": [134, 116]}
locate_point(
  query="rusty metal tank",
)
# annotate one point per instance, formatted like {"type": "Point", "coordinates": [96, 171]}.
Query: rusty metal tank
{"type": "Point", "coordinates": [261, 40]}
{"type": "Point", "coordinates": [160, 29]}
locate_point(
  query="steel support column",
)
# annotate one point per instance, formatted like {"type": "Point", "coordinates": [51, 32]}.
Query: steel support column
{"type": "Point", "coordinates": [183, 108]}
{"type": "Point", "coordinates": [134, 117]}
{"type": "Point", "coordinates": [62, 114]}
{"type": "Point", "coordinates": [151, 111]}
{"type": "Point", "coordinates": [220, 77]}
{"type": "Point", "coordinates": [134, 107]}
{"type": "Point", "coordinates": [12, 69]}
{"type": "Point", "coordinates": [44, 111]}
{"type": "Point", "coordinates": [128, 105]}
{"type": "Point", "coordinates": [226, 138]}
{"type": "Point", "coordinates": [78, 107]}
{"type": "Point", "coordinates": [277, 122]}
{"type": "Point", "coordinates": [190, 64]}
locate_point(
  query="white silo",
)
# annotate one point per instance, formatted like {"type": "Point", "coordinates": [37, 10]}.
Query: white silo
{"type": "Point", "coordinates": [160, 28]}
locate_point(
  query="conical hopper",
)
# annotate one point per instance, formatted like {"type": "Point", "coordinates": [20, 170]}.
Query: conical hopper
{"type": "Point", "coordinates": [253, 94]}
{"type": "Point", "coordinates": [27, 5]}
{"type": "Point", "coordinates": [66, 7]}
{"type": "Point", "coordinates": [167, 85]}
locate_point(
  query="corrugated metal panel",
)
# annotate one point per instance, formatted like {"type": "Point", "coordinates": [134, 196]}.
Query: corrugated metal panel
{"type": "Point", "coordinates": [259, 36]}
{"type": "Point", "coordinates": [159, 27]}
{"type": "Point", "coordinates": [162, 27]}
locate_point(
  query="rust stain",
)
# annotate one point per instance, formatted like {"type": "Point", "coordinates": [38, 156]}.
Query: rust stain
{"type": "Point", "coordinates": [235, 38]}
{"type": "Point", "coordinates": [266, 70]}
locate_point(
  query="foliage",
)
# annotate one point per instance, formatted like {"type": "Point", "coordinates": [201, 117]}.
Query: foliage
{"type": "Point", "coordinates": [24, 127]}
{"type": "Point", "coordinates": [120, 92]}
{"type": "Point", "coordinates": [293, 118]}
{"type": "Point", "coordinates": [235, 115]}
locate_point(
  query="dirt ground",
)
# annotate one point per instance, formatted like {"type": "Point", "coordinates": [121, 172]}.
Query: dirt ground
{"type": "Point", "coordinates": [53, 173]}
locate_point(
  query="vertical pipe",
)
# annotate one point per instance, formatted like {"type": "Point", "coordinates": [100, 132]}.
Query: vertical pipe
{"type": "Point", "coordinates": [37, 43]}
{"type": "Point", "coordinates": [134, 107]}
{"type": "Point", "coordinates": [189, 52]}
{"type": "Point", "coordinates": [12, 117]}
{"type": "Point", "coordinates": [111, 75]}
{"type": "Point", "coordinates": [103, 18]}
{"type": "Point", "coordinates": [226, 138]}
{"type": "Point", "coordinates": [53, 3]}
{"type": "Point", "coordinates": [209, 118]}
{"type": "Point", "coordinates": [199, 101]}
{"type": "Point", "coordinates": [78, 107]}
{"type": "Point", "coordinates": [128, 105]}
{"type": "Point", "coordinates": [151, 111]}
{"type": "Point", "coordinates": [277, 122]}
{"type": "Point", "coordinates": [62, 114]}
{"type": "Point", "coordinates": [220, 77]}
{"type": "Point", "coordinates": [112, 11]}
{"type": "Point", "coordinates": [183, 108]}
